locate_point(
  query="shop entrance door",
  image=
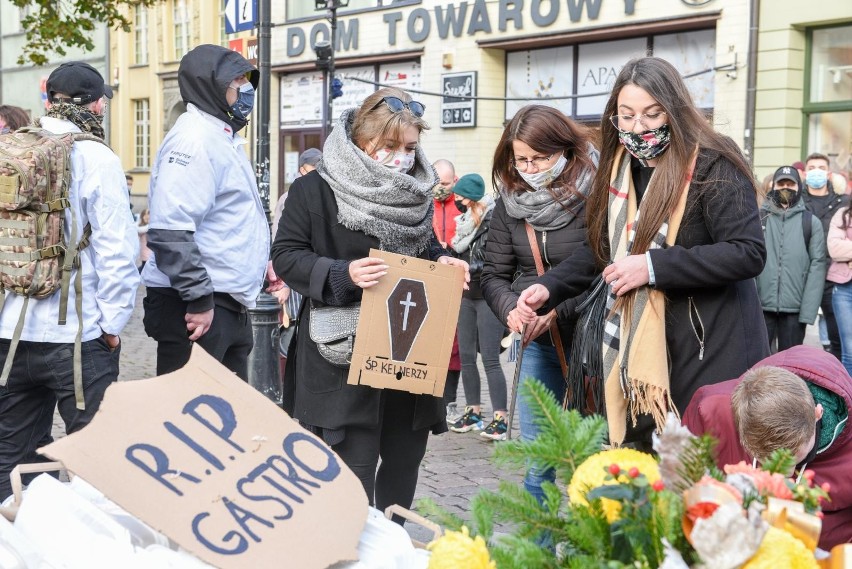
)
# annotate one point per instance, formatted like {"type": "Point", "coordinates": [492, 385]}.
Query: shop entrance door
{"type": "Point", "coordinates": [292, 143]}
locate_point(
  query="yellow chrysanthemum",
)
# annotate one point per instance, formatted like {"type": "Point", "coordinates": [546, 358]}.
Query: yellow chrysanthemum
{"type": "Point", "coordinates": [780, 549]}
{"type": "Point", "coordinates": [457, 549]}
{"type": "Point", "coordinates": [592, 472]}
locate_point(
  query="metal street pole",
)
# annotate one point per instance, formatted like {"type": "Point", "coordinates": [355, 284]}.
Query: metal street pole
{"type": "Point", "coordinates": [333, 22]}
{"type": "Point", "coordinates": [263, 360]}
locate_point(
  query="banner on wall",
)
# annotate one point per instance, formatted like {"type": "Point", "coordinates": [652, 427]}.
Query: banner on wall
{"type": "Point", "coordinates": [456, 110]}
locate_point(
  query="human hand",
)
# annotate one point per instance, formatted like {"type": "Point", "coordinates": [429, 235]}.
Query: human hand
{"type": "Point", "coordinates": [514, 321]}
{"type": "Point", "coordinates": [538, 327]}
{"type": "Point", "coordinates": [198, 323]}
{"type": "Point", "coordinates": [447, 260]}
{"type": "Point", "coordinates": [531, 299]}
{"type": "Point", "coordinates": [627, 273]}
{"type": "Point", "coordinates": [275, 283]}
{"type": "Point", "coordinates": [112, 341]}
{"type": "Point", "coordinates": [281, 294]}
{"type": "Point", "coordinates": [366, 272]}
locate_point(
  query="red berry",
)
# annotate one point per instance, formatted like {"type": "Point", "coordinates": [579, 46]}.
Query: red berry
{"type": "Point", "coordinates": [826, 487]}
{"type": "Point", "coordinates": [820, 515]}
{"type": "Point", "coordinates": [658, 486]}
{"type": "Point", "coordinates": [809, 475]}
{"type": "Point", "coordinates": [614, 469]}
{"type": "Point", "coordinates": [633, 472]}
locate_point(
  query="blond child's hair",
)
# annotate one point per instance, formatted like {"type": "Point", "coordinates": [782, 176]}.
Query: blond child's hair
{"type": "Point", "coordinates": [773, 409]}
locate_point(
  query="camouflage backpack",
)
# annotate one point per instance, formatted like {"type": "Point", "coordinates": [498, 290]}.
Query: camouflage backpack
{"type": "Point", "coordinates": [36, 259]}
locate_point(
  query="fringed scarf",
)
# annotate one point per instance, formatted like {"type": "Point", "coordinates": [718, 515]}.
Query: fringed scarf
{"type": "Point", "coordinates": [635, 368]}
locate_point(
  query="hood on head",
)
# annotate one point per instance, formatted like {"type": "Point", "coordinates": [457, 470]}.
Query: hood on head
{"type": "Point", "coordinates": [204, 75]}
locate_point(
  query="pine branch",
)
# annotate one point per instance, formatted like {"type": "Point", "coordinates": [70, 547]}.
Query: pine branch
{"type": "Point", "coordinates": [781, 461]}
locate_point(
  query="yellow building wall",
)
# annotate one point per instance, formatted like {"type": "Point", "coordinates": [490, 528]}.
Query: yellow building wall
{"type": "Point", "coordinates": [148, 81]}
{"type": "Point", "coordinates": [781, 77]}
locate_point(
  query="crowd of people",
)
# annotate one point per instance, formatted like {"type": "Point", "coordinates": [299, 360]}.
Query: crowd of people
{"type": "Point", "coordinates": [641, 267]}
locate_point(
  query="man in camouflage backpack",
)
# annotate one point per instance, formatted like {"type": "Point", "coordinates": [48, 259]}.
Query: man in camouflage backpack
{"type": "Point", "coordinates": [41, 373]}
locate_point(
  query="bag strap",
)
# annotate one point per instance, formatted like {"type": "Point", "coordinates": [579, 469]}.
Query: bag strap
{"type": "Point", "coordinates": [554, 328]}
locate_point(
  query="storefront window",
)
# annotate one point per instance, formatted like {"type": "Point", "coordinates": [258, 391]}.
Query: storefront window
{"type": "Point", "coordinates": [550, 72]}
{"type": "Point", "coordinates": [831, 65]}
{"type": "Point", "coordinates": [831, 134]}
{"type": "Point", "coordinates": [540, 73]}
{"type": "Point", "coordinates": [598, 66]}
{"type": "Point", "coordinates": [692, 52]}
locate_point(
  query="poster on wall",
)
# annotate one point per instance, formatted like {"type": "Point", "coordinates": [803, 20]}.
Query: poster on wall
{"type": "Point", "coordinates": [354, 92]}
{"type": "Point", "coordinates": [598, 64]}
{"type": "Point", "coordinates": [692, 52]}
{"type": "Point", "coordinates": [534, 75]}
{"type": "Point", "coordinates": [302, 100]}
{"type": "Point", "coordinates": [457, 111]}
{"type": "Point", "coordinates": [405, 75]}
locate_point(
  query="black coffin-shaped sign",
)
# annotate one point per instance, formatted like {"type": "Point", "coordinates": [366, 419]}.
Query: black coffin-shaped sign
{"type": "Point", "coordinates": [407, 310]}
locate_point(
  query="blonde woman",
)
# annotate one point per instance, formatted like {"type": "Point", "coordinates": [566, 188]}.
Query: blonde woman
{"type": "Point", "coordinates": [372, 189]}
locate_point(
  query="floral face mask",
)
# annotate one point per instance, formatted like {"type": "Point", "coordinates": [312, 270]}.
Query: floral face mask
{"type": "Point", "coordinates": [647, 145]}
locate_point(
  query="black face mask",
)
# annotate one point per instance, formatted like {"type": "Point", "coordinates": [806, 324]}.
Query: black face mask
{"type": "Point", "coordinates": [460, 206]}
{"type": "Point", "coordinates": [812, 454]}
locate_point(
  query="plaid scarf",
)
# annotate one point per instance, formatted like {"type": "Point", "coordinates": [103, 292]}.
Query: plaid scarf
{"type": "Point", "coordinates": [85, 119]}
{"type": "Point", "coordinates": [636, 376]}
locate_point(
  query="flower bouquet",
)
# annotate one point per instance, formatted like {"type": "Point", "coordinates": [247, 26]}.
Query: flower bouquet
{"type": "Point", "coordinates": [621, 508]}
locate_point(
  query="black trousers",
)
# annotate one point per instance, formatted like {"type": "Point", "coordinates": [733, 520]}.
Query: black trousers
{"type": "Point", "coordinates": [229, 339]}
{"type": "Point", "coordinates": [831, 321]}
{"type": "Point", "coordinates": [400, 448]}
{"type": "Point", "coordinates": [42, 376]}
{"type": "Point", "coordinates": [785, 328]}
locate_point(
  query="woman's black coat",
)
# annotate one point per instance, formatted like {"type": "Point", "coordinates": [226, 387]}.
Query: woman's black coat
{"type": "Point", "coordinates": [707, 277]}
{"type": "Point", "coordinates": [308, 242]}
{"type": "Point", "coordinates": [509, 265]}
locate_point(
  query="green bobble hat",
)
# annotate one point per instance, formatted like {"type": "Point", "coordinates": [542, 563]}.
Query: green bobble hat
{"type": "Point", "coordinates": [470, 186]}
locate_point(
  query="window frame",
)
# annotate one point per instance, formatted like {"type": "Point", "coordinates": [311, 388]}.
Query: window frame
{"type": "Point", "coordinates": [140, 36]}
{"type": "Point", "coordinates": [142, 134]}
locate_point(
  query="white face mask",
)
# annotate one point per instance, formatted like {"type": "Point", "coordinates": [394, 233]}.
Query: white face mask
{"type": "Point", "coordinates": [396, 161]}
{"type": "Point", "coordinates": [545, 178]}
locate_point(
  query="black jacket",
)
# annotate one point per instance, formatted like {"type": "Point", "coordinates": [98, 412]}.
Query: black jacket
{"type": "Point", "coordinates": [510, 267]}
{"type": "Point", "coordinates": [474, 255]}
{"type": "Point", "coordinates": [708, 278]}
{"type": "Point", "coordinates": [310, 253]}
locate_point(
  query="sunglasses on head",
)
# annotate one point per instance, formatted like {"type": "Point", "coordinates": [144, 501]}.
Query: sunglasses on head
{"type": "Point", "coordinates": [396, 105]}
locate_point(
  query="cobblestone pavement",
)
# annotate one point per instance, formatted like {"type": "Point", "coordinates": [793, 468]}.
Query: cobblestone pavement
{"type": "Point", "coordinates": [455, 468]}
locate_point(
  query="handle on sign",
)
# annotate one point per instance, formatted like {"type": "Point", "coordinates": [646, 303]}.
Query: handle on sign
{"type": "Point", "coordinates": [15, 476]}
{"type": "Point", "coordinates": [398, 510]}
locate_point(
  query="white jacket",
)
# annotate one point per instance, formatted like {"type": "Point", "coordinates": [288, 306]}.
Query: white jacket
{"type": "Point", "coordinates": [202, 183]}
{"type": "Point", "coordinates": [98, 195]}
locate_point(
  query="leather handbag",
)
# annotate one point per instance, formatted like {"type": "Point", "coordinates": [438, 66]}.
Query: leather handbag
{"type": "Point", "coordinates": [332, 329]}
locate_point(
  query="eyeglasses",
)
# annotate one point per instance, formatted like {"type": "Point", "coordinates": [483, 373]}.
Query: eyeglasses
{"type": "Point", "coordinates": [396, 105]}
{"type": "Point", "coordinates": [522, 164]}
{"type": "Point", "coordinates": [648, 121]}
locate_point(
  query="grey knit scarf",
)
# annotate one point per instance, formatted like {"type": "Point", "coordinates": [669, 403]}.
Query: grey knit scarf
{"type": "Point", "coordinates": [393, 207]}
{"type": "Point", "coordinates": [539, 207]}
{"type": "Point", "coordinates": [465, 227]}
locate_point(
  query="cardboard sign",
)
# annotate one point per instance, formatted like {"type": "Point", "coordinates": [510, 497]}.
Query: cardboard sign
{"type": "Point", "coordinates": [406, 326]}
{"type": "Point", "coordinates": [217, 467]}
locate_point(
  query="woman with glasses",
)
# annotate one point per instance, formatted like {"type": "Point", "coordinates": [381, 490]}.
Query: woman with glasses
{"type": "Point", "coordinates": [674, 230]}
{"type": "Point", "coordinates": [543, 169]}
{"type": "Point", "coordinates": [372, 189]}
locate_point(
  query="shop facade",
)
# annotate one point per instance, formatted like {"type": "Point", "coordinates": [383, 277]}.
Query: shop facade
{"type": "Point", "coordinates": [564, 53]}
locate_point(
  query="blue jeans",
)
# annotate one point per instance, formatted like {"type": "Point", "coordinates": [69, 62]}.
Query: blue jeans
{"type": "Point", "coordinates": [539, 362]}
{"type": "Point", "coordinates": [841, 302]}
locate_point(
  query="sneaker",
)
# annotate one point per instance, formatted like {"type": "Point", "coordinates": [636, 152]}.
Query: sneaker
{"type": "Point", "coordinates": [470, 421]}
{"type": "Point", "coordinates": [452, 412]}
{"type": "Point", "coordinates": [496, 429]}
